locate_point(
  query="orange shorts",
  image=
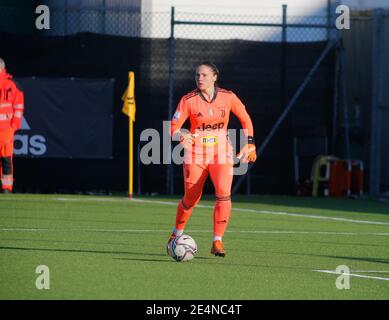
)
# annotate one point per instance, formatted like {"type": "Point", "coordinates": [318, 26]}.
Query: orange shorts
{"type": "Point", "coordinates": [221, 176]}
{"type": "Point", "coordinates": [7, 142]}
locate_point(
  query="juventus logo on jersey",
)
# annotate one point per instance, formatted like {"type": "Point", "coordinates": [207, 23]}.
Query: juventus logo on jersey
{"type": "Point", "coordinates": [222, 112]}
{"type": "Point", "coordinates": [210, 112]}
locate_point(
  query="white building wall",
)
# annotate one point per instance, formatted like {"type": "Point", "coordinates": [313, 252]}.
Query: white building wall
{"type": "Point", "coordinates": [250, 11]}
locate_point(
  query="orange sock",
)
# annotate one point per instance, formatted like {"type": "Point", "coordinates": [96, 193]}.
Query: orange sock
{"type": "Point", "coordinates": [183, 214]}
{"type": "Point", "coordinates": [221, 215]}
{"type": "Point", "coordinates": [185, 207]}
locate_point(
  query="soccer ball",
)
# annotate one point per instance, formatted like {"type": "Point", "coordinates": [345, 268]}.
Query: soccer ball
{"type": "Point", "coordinates": [183, 248]}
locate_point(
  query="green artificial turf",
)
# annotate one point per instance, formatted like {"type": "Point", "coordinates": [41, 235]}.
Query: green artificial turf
{"type": "Point", "coordinates": [112, 248]}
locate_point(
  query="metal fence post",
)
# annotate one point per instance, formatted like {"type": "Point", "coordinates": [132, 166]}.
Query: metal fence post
{"type": "Point", "coordinates": [335, 103]}
{"type": "Point", "coordinates": [65, 19]}
{"type": "Point", "coordinates": [248, 183]}
{"type": "Point", "coordinates": [170, 173]}
{"type": "Point", "coordinates": [376, 95]}
{"type": "Point", "coordinates": [344, 103]}
{"type": "Point", "coordinates": [103, 16]}
{"type": "Point", "coordinates": [329, 19]}
{"type": "Point", "coordinates": [283, 56]}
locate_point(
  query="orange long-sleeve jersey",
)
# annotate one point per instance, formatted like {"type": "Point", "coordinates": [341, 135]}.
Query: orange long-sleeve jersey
{"type": "Point", "coordinates": [209, 119]}
{"type": "Point", "coordinates": [210, 116]}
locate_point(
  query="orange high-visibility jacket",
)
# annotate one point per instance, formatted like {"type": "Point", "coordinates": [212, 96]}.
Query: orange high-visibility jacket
{"type": "Point", "coordinates": [11, 103]}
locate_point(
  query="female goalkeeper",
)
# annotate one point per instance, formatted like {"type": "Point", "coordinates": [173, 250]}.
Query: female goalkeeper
{"type": "Point", "coordinates": [207, 149]}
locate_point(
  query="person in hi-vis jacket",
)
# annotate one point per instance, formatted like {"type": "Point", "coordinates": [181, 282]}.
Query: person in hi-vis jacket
{"type": "Point", "coordinates": [11, 115]}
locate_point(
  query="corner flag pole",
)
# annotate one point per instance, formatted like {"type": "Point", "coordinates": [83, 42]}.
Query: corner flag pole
{"type": "Point", "coordinates": [129, 109]}
{"type": "Point", "coordinates": [131, 155]}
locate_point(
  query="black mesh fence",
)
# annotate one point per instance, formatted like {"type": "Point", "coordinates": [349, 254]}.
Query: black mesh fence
{"type": "Point", "coordinates": [107, 42]}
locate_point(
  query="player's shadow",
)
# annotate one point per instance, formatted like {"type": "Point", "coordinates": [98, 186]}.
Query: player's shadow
{"type": "Point", "coordinates": [102, 252]}
{"type": "Point", "coordinates": [157, 260]}
{"type": "Point", "coordinates": [104, 243]}
{"type": "Point", "coordinates": [83, 251]}
{"type": "Point", "coordinates": [145, 260]}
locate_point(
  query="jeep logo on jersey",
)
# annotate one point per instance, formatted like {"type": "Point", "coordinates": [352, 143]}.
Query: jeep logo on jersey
{"type": "Point", "coordinates": [208, 127]}
{"type": "Point", "coordinates": [26, 144]}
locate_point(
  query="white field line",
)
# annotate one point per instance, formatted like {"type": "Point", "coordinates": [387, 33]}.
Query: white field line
{"type": "Point", "coordinates": [195, 231]}
{"type": "Point", "coordinates": [271, 212]}
{"type": "Point", "coordinates": [371, 271]}
{"type": "Point", "coordinates": [353, 274]}
{"type": "Point", "coordinates": [275, 213]}
{"type": "Point", "coordinates": [171, 203]}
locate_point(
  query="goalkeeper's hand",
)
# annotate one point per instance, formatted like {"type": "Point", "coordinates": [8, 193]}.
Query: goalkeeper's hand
{"type": "Point", "coordinates": [187, 139]}
{"type": "Point", "coordinates": [248, 153]}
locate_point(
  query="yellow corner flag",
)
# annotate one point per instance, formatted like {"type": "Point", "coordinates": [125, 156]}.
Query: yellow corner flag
{"type": "Point", "coordinates": [129, 109]}
{"type": "Point", "coordinates": [128, 97]}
